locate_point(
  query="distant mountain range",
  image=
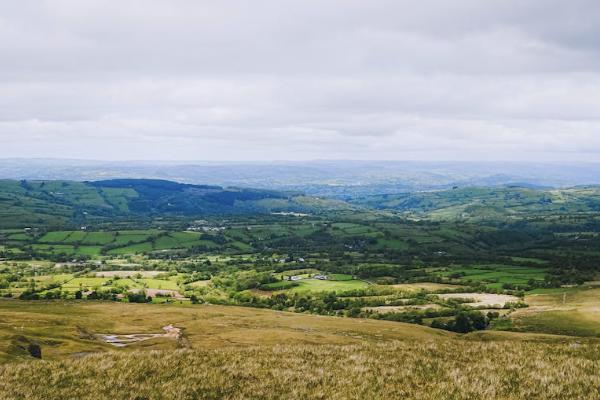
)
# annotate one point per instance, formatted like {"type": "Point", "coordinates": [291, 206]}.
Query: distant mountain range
{"type": "Point", "coordinates": [339, 179]}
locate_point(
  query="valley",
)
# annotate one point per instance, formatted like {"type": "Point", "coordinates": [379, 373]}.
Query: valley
{"type": "Point", "coordinates": [150, 271]}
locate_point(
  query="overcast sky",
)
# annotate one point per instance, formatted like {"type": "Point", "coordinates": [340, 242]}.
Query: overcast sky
{"type": "Point", "coordinates": [294, 80]}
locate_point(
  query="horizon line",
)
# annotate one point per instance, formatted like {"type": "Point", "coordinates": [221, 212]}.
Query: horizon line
{"type": "Point", "coordinates": [327, 160]}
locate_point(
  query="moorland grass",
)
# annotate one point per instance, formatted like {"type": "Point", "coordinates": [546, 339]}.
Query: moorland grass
{"type": "Point", "coordinates": [564, 311]}
{"type": "Point", "coordinates": [57, 325]}
{"type": "Point", "coordinates": [424, 370]}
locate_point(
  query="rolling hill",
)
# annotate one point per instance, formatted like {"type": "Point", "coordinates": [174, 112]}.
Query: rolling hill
{"type": "Point", "coordinates": [340, 178]}
{"type": "Point", "coordinates": [489, 203]}
{"type": "Point", "coordinates": [69, 203]}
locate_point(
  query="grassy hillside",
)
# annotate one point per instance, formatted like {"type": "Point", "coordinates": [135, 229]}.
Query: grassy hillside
{"type": "Point", "coordinates": [447, 369]}
{"type": "Point", "coordinates": [566, 311]}
{"type": "Point", "coordinates": [63, 203]}
{"type": "Point", "coordinates": [489, 203]}
{"type": "Point", "coordinates": [239, 353]}
{"type": "Point", "coordinates": [64, 329]}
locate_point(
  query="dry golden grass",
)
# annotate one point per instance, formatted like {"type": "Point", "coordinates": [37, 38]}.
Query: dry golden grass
{"type": "Point", "coordinates": [58, 325]}
{"type": "Point", "coordinates": [242, 353]}
{"type": "Point", "coordinates": [430, 369]}
{"type": "Point", "coordinates": [568, 311]}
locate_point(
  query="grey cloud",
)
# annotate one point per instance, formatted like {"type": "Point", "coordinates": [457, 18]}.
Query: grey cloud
{"type": "Point", "coordinates": [304, 79]}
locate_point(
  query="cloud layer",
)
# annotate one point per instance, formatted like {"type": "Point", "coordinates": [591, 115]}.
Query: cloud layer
{"type": "Point", "coordinates": [306, 79]}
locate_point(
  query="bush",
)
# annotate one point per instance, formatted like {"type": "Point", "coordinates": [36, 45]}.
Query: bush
{"type": "Point", "coordinates": [139, 297]}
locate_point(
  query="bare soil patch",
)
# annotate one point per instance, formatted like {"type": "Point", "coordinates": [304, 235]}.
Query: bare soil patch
{"type": "Point", "coordinates": [480, 300]}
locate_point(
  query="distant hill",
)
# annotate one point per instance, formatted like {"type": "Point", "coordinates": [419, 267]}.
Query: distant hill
{"type": "Point", "coordinates": [343, 179]}
{"type": "Point", "coordinates": [61, 203]}
{"type": "Point", "coordinates": [489, 203]}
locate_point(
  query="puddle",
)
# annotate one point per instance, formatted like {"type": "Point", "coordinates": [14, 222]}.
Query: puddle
{"type": "Point", "coordinates": [124, 340]}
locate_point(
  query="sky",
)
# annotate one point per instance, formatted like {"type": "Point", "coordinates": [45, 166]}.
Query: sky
{"type": "Point", "coordinates": [197, 80]}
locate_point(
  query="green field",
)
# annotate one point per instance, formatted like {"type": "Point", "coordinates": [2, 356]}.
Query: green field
{"type": "Point", "coordinates": [316, 285]}
{"type": "Point", "coordinates": [71, 284]}
{"type": "Point", "coordinates": [93, 244]}
{"type": "Point", "coordinates": [77, 283]}
{"type": "Point", "coordinates": [493, 275]}
{"type": "Point", "coordinates": [158, 283]}
{"type": "Point", "coordinates": [340, 277]}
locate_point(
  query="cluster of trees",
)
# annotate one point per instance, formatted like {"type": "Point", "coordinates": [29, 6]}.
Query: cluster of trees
{"type": "Point", "coordinates": [466, 321]}
{"type": "Point", "coordinates": [138, 297]}
{"type": "Point", "coordinates": [328, 303]}
{"type": "Point", "coordinates": [399, 272]}
{"type": "Point", "coordinates": [243, 280]}
{"type": "Point", "coordinates": [317, 303]}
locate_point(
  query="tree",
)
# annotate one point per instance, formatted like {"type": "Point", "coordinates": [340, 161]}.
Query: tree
{"type": "Point", "coordinates": [353, 312]}
{"type": "Point", "coordinates": [139, 297]}
{"type": "Point", "coordinates": [493, 315]}
{"type": "Point", "coordinates": [437, 324]}
{"type": "Point", "coordinates": [462, 323]}
{"type": "Point", "coordinates": [478, 320]}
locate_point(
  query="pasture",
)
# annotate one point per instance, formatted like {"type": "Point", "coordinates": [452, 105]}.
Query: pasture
{"type": "Point", "coordinates": [316, 285]}
{"type": "Point", "coordinates": [114, 243]}
{"type": "Point", "coordinates": [108, 280]}
{"type": "Point", "coordinates": [493, 276]}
